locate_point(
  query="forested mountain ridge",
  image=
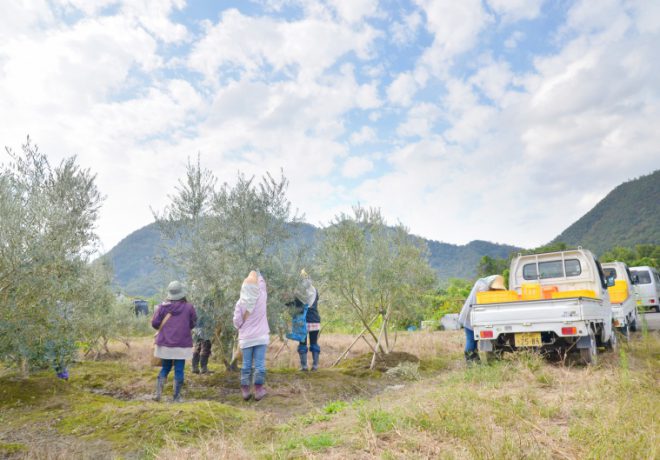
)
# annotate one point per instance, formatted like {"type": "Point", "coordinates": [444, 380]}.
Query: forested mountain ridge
{"type": "Point", "coordinates": [137, 273]}
{"type": "Point", "coordinates": [627, 216]}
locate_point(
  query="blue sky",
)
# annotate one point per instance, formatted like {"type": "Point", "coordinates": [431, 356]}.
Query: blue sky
{"type": "Point", "coordinates": [503, 120]}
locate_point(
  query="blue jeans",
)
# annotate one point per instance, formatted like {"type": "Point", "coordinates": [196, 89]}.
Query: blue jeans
{"type": "Point", "coordinates": [470, 343]}
{"type": "Point", "coordinates": [178, 368]}
{"type": "Point", "coordinates": [254, 355]}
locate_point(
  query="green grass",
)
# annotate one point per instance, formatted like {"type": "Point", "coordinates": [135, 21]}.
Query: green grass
{"type": "Point", "coordinates": [519, 407]}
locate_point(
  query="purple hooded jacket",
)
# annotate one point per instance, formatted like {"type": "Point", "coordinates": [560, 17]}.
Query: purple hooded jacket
{"type": "Point", "coordinates": [177, 330]}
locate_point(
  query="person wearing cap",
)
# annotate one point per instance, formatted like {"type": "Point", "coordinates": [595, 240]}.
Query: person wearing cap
{"type": "Point", "coordinates": [489, 283]}
{"type": "Point", "coordinates": [174, 319]}
{"type": "Point", "coordinates": [306, 294]}
{"type": "Point", "coordinates": [251, 321]}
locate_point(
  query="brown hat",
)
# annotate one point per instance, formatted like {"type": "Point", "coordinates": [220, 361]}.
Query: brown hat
{"type": "Point", "coordinates": [497, 283]}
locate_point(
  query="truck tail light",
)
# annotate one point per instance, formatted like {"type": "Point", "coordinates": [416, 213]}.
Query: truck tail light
{"type": "Point", "coordinates": [652, 300]}
{"type": "Point", "coordinates": [568, 331]}
{"type": "Point", "coordinates": [617, 323]}
{"type": "Point", "coordinates": [486, 334]}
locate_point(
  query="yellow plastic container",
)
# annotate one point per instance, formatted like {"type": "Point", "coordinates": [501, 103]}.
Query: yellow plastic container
{"type": "Point", "coordinates": [577, 293]}
{"type": "Point", "coordinates": [531, 291]}
{"type": "Point", "coordinates": [496, 297]}
{"type": "Point", "coordinates": [618, 292]}
{"type": "Point", "coordinates": [548, 291]}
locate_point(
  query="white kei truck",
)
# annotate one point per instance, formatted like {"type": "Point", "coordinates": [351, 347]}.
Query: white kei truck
{"type": "Point", "coordinates": [557, 302]}
{"type": "Point", "coordinates": [623, 297]}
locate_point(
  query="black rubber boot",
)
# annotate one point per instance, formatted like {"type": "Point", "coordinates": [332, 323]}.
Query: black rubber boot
{"type": "Point", "coordinates": [195, 363]}
{"type": "Point", "coordinates": [315, 360]}
{"type": "Point", "coordinates": [303, 361]}
{"type": "Point", "coordinates": [178, 384]}
{"type": "Point", "coordinates": [159, 388]}
{"type": "Point", "coordinates": [204, 361]}
{"type": "Point", "coordinates": [472, 357]}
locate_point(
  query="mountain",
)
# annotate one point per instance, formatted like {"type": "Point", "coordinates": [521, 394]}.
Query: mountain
{"type": "Point", "coordinates": [628, 215]}
{"type": "Point", "coordinates": [137, 273]}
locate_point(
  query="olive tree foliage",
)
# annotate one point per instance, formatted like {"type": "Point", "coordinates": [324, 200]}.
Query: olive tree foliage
{"type": "Point", "coordinates": [379, 272]}
{"type": "Point", "coordinates": [47, 218]}
{"type": "Point", "coordinates": [220, 233]}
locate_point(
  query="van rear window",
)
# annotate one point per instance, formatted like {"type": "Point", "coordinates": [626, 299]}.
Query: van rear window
{"type": "Point", "coordinates": [643, 277]}
{"type": "Point", "coordinates": [552, 269]}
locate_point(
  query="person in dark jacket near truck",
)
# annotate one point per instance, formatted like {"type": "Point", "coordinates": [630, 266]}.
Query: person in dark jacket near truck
{"type": "Point", "coordinates": [174, 319]}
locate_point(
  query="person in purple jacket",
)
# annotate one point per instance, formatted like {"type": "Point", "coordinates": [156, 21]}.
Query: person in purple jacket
{"type": "Point", "coordinates": [251, 320]}
{"type": "Point", "coordinates": [174, 319]}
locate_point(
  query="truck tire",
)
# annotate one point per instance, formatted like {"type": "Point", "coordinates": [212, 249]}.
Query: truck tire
{"type": "Point", "coordinates": [633, 323]}
{"type": "Point", "coordinates": [625, 331]}
{"type": "Point", "coordinates": [589, 356]}
{"type": "Point", "coordinates": [613, 343]}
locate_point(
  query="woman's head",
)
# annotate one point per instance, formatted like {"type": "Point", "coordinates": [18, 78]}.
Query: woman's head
{"type": "Point", "coordinates": [176, 291]}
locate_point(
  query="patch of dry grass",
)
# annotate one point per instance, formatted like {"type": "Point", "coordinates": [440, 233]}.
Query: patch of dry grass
{"type": "Point", "coordinates": [520, 407]}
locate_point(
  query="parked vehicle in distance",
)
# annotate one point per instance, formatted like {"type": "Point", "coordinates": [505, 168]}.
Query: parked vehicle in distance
{"type": "Point", "coordinates": [556, 302]}
{"type": "Point", "coordinates": [648, 286]}
{"type": "Point", "coordinates": [623, 297]}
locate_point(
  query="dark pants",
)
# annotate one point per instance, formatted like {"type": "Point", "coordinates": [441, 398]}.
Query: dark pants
{"type": "Point", "coordinates": [470, 343]}
{"type": "Point", "coordinates": [178, 368]}
{"type": "Point", "coordinates": [313, 343]}
{"type": "Point", "coordinates": [202, 348]}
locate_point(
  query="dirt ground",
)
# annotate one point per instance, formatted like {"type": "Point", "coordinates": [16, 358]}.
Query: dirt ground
{"type": "Point", "coordinates": [106, 411]}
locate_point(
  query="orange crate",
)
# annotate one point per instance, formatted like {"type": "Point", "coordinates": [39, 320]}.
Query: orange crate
{"type": "Point", "coordinates": [496, 297]}
{"type": "Point", "coordinates": [548, 290]}
{"type": "Point", "coordinates": [572, 294]}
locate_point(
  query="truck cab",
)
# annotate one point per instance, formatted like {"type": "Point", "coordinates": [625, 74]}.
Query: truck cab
{"type": "Point", "coordinates": [623, 297]}
{"type": "Point", "coordinates": [556, 302]}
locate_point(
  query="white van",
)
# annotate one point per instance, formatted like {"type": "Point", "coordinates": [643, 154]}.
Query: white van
{"type": "Point", "coordinates": [648, 286]}
{"type": "Point", "coordinates": [623, 297]}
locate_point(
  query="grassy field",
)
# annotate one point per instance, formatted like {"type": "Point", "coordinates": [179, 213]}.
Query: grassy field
{"type": "Point", "coordinates": [521, 407]}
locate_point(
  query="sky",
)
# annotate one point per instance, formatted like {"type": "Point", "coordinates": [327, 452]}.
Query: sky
{"type": "Point", "coordinates": [499, 120]}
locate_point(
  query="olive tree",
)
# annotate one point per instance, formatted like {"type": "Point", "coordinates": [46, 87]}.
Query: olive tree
{"type": "Point", "coordinates": [47, 218]}
{"type": "Point", "coordinates": [219, 234]}
{"type": "Point", "coordinates": [379, 271]}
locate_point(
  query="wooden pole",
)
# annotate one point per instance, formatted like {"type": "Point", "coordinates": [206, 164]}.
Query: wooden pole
{"type": "Point", "coordinates": [354, 342]}
{"type": "Point", "coordinates": [284, 344]}
{"type": "Point", "coordinates": [373, 359]}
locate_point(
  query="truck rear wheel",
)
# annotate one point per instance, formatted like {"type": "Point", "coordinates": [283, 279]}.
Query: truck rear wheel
{"type": "Point", "coordinates": [589, 356]}
{"type": "Point", "coordinates": [625, 331]}
{"type": "Point", "coordinates": [633, 323]}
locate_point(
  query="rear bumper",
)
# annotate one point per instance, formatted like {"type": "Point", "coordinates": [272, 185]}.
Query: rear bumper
{"type": "Point", "coordinates": [484, 333]}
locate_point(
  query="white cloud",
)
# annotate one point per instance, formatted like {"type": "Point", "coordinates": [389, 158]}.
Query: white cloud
{"type": "Point", "coordinates": [402, 90]}
{"type": "Point", "coordinates": [405, 31]}
{"type": "Point", "coordinates": [306, 47]}
{"type": "Point", "coordinates": [455, 27]}
{"type": "Point", "coordinates": [478, 150]}
{"type": "Point", "coordinates": [355, 167]}
{"type": "Point", "coordinates": [353, 11]}
{"type": "Point", "coordinates": [514, 39]}
{"type": "Point", "coordinates": [364, 135]}
{"type": "Point", "coordinates": [515, 10]}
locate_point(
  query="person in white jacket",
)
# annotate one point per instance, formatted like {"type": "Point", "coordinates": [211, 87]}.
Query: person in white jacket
{"type": "Point", "coordinates": [489, 283]}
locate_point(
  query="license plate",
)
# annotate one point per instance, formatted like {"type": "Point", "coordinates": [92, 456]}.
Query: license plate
{"type": "Point", "coordinates": [528, 339]}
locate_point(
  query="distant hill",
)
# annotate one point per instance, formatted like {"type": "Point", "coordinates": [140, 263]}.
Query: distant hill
{"type": "Point", "coordinates": [628, 215]}
{"type": "Point", "coordinates": [137, 273]}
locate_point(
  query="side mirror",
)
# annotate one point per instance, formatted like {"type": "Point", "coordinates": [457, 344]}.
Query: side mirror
{"type": "Point", "coordinates": [635, 279]}
{"type": "Point", "coordinates": [610, 281]}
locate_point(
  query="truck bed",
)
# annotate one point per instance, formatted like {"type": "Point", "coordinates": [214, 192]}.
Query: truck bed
{"type": "Point", "coordinates": [539, 315]}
